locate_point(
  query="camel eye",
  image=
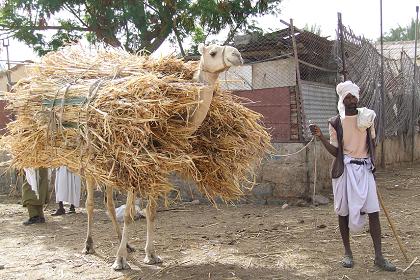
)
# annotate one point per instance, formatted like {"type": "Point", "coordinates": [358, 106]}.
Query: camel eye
{"type": "Point", "coordinates": [213, 53]}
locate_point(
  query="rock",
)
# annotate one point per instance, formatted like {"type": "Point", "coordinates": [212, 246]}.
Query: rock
{"type": "Point", "coordinates": [232, 242]}
{"type": "Point", "coordinates": [320, 200]}
{"type": "Point", "coordinates": [195, 202]}
{"type": "Point", "coordinates": [285, 206]}
{"type": "Point", "coordinates": [260, 201]}
{"type": "Point", "coordinates": [1, 266]}
{"type": "Point", "coordinates": [263, 190]}
{"type": "Point", "coordinates": [275, 201]}
{"type": "Point", "coordinates": [300, 203]}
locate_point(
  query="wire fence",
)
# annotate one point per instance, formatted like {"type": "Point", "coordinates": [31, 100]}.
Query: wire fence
{"type": "Point", "coordinates": [401, 97]}
{"type": "Point", "coordinates": [271, 62]}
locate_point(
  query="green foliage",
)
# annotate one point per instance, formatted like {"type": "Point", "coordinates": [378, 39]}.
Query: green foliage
{"type": "Point", "coordinates": [399, 33]}
{"type": "Point", "coordinates": [132, 24]}
{"type": "Point", "coordinates": [316, 29]}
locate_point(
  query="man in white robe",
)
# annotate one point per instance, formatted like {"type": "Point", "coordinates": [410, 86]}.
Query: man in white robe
{"type": "Point", "coordinates": [351, 143]}
{"type": "Point", "coordinates": [67, 190]}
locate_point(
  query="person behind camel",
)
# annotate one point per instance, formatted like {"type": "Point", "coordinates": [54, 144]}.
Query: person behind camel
{"type": "Point", "coordinates": [35, 194]}
{"type": "Point", "coordinates": [67, 189]}
{"type": "Point", "coordinates": [352, 134]}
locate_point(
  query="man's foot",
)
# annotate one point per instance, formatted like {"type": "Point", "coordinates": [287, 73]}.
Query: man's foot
{"type": "Point", "coordinates": [347, 261]}
{"type": "Point", "coordinates": [72, 210]}
{"type": "Point", "coordinates": [384, 264]}
{"type": "Point", "coordinates": [59, 212]}
{"type": "Point", "coordinates": [34, 220]}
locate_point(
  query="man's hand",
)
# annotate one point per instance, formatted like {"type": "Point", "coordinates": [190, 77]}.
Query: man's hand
{"type": "Point", "coordinates": [315, 130]}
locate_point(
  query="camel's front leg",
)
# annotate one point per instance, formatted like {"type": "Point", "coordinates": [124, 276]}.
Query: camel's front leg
{"type": "Point", "coordinates": [121, 259]}
{"type": "Point", "coordinates": [111, 210]}
{"type": "Point", "coordinates": [90, 184]}
{"type": "Point", "coordinates": [151, 257]}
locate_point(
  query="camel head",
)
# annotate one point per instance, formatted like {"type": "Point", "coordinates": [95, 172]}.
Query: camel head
{"type": "Point", "coordinates": [216, 59]}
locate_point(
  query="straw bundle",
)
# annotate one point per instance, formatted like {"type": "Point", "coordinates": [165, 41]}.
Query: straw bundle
{"type": "Point", "coordinates": [122, 119]}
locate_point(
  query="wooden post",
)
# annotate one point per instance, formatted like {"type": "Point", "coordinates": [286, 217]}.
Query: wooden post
{"type": "Point", "coordinates": [343, 57]}
{"type": "Point", "coordinates": [301, 119]}
{"type": "Point", "coordinates": [299, 107]}
{"type": "Point", "coordinates": [413, 115]}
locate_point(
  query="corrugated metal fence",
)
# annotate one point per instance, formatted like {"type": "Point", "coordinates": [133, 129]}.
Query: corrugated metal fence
{"type": "Point", "coordinates": [319, 104]}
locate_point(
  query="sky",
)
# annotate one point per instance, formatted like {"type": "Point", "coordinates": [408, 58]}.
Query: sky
{"type": "Point", "coordinates": [362, 16]}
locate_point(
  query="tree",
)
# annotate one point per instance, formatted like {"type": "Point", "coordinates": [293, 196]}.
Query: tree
{"type": "Point", "coordinates": [316, 29]}
{"type": "Point", "coordinates": [401, 33]}
{"type": "Point", "coordinates": [131, 24]}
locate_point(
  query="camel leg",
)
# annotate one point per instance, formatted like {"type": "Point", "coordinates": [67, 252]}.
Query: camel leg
{"type": "Point", "coordinates": [151, 257]}
{"type": "Point", "coordinates": [111, 210]}
{"type": "Point", "coordinates": [90, 184]}
{"type": "Point", "coordinates": [121, 259]}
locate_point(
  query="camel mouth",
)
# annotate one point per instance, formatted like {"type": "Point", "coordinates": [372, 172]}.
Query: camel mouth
{"type": "Point", "coordinates": [238, 61]}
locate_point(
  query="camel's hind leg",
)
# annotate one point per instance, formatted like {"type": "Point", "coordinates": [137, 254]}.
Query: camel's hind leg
{"type": "Point", "coordinates": [90, 184]}
{"type": "Point", "coordinates": [121, 259]}
{"type": "Point", "coordinates": [111, 210]}
{"type": "Point", "coordinates": [151, 257]}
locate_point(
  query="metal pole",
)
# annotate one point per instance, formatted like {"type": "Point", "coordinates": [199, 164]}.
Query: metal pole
{"type": "Point", "coordinates": [382, 126]}
{"type": "Point", "coordinates": [343, 58]}
{"type": "Point", "coordinates": [413, 115]}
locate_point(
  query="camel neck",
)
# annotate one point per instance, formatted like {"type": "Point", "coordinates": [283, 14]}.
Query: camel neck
{"type": "Point", "coordinates": [207, 77]}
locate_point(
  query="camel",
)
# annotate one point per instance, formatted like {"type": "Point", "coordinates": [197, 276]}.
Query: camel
{"type": "Point", "coordinates": [214, 60]}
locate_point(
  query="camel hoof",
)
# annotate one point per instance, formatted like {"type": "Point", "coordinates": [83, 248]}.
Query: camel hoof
{"type": "Point", "coordinates": [152, 259]}
{"type": "Point", "coordinates": [120, 264]}
{"type": "Point", "coordinates": [130, 249]}
{"type": "Point", "coordinates": [88, 246]}
{"type": "Point", "coordinates": [88, 250]}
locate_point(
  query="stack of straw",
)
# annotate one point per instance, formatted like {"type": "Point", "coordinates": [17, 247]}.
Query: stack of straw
{"type": "Point", "coordinates": [123, 119]}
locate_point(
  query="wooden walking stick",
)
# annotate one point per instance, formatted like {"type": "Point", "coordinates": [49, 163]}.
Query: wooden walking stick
{"type": "Point", "coordinates": [403, 250]}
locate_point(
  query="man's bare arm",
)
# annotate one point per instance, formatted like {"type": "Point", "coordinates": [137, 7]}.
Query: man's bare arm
{"type": "Point", "coordinates": [316, 131]}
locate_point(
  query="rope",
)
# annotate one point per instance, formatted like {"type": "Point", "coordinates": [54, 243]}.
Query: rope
{"type": "Point", "coordinates": [315, 162]}
{"type": "Point", "coordinates": [315, 172]}
{"type": "Point", "coordinates": [297, 152]}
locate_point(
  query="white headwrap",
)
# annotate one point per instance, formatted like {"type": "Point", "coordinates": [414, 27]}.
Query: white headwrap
{"type": "Point", "coordinates": [365, 116]}
{"type": "Point", "coordinates": [342, 90]}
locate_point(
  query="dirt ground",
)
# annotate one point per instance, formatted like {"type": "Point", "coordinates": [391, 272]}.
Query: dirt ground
{"type": "Point", "coordinates": [201, 242]}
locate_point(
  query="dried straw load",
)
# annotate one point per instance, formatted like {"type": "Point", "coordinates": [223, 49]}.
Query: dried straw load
{"type": "Point", "coordinates": [122, 119]}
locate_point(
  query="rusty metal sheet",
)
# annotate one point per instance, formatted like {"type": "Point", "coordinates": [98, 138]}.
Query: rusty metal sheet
{"type": "Point", "coordinates": [274, 105]}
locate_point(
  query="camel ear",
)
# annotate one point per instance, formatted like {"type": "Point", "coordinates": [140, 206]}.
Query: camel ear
{"type": "Point", "coordinates": [201, 48]}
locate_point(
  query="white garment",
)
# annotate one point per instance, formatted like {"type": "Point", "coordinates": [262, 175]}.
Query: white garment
{"type": "Point", "coordinates": [67, 186]}
{"type": "Point", "coordinates": [120, 211]}
{"type": "Point", "coordinates": [343, 89]}
{"type": "Point", "coordinates": [355, 192]}
{"type": "Point", "coordinates": [365, 118]}
{"type": "Point", "coordinates": [32, 177]}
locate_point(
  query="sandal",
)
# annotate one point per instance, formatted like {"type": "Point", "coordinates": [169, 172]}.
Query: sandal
{"type": "Point", "coordinates": [347, 261]}
{"type": "Point", "coordinates": [72, 210]}
{"type": "Point", "coordinates": [384, 264]}
{"type": "Point", "coordinates": [59, 212]}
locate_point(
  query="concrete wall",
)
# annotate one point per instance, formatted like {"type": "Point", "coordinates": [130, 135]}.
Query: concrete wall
{"type": "Point", "coordinates": [281, 179]}
{"type": "Point", "coordinates": [398, 149]}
